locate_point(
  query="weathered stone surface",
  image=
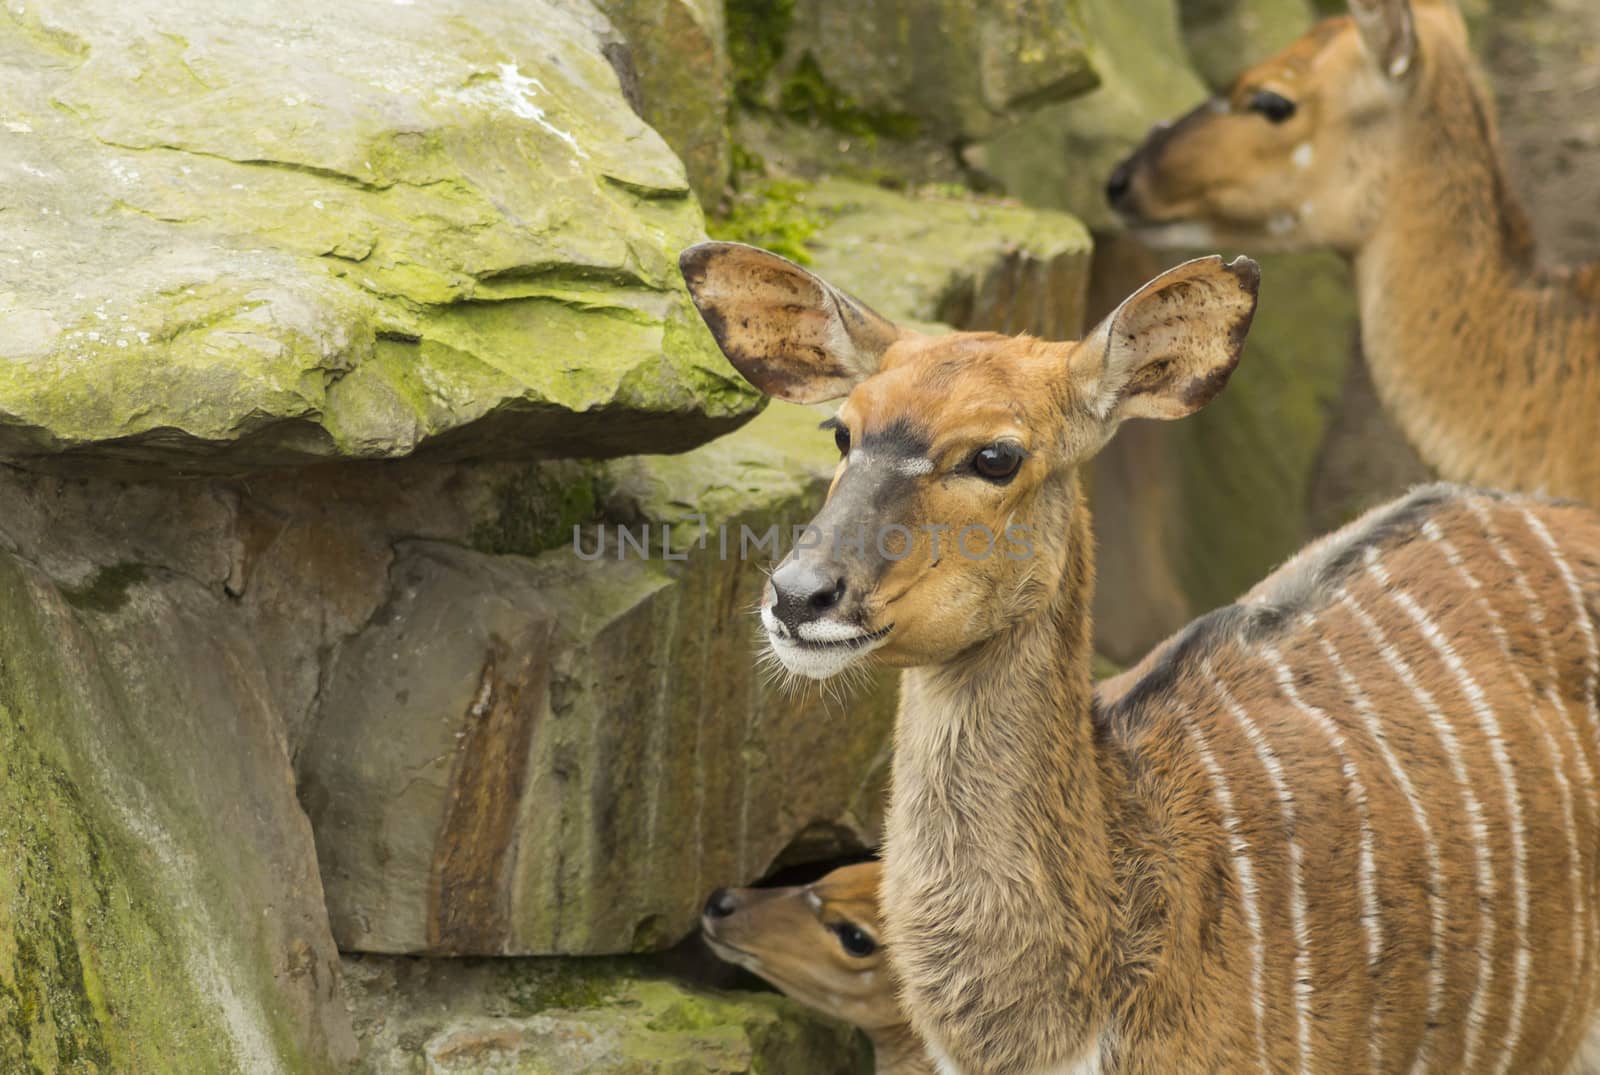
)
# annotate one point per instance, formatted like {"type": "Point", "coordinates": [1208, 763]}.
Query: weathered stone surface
{"type": "Point", "coordinates": [959, 261]}
{"type": "Point", "coordinates": [237, 240]}
{"type": "Point", "coordinates": [678, 52]}
{"type": "Point", "coordinates": [1224, 36]}
{"type": "Point", "coordinates": [160, 910]}
{"type": "Point", "coordinates": [561, 755]}
{"type": "Point", "coordinates": [1060, 155]}
{"type": "Point", "coordinates": [951, 70]}
{"type": "Point", "coordinates": [542, 1017]}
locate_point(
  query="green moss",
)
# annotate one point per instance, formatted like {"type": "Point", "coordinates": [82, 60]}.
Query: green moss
{"type": "Point", "coordinates": [569, 985]}
{"type": "Point", "coordinates": [107, 589]}
{"type": "Point", "coordinates": [756, 32]}
{"type": "Point", "coordinates": [535, 510]}
{"type": "Point", "coordinates": [773, 214]}
{"type": "Point", "coordinates": [92, 968]}
{"type": "Point", "coordinates": [807, 96]}
{"type": "Point", "coordinates": [77, 985]}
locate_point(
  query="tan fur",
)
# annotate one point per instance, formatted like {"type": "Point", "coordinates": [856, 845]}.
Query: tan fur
{"type": "Point", "coordinates": [1490, 365]}
{"type": "Point", "coordinates": [1346, 824]}
{"type": "Point", "coordinates": [789, 937]}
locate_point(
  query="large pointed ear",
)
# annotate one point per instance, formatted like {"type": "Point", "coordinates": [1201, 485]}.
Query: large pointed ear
{"type": "Point", "coordinates": [793, 335]}
{"type": "Point", "coordinates": [1171, 346]}
{"type": "Point", "coordinates": [1389, 33]}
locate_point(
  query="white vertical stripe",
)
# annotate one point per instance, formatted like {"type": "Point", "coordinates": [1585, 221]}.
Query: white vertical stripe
{"type": "Point", "coordinates": [1244, 869]}
{"type": "Point", "coordinates": [1297, 898]}
{"type": "Point", "coordinates": [1579, 749]}
{"type": "Point", "coordinates": [1436, 917]}
{"type": "Point", "coordinates": [1474, 811]}
{"type": "Point", "coordinates": [1579, 611]}
{"type": "Point", "coordinates": [1494, 734]}
{"type": "Point", "coordinates": [1371, 921]}
{"type": "Point", "coordinates": [1536, 613]}
{"type": "Point", "coordinates": [1552, 746]}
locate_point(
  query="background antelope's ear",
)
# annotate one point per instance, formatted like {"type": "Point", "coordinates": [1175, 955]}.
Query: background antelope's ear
{"type": "Point", "coordinates": [1171, 346]}
{"type": "Point", "coordinates": [1389, 33]}
{"type": "Point", "coordinates": [792, 334]}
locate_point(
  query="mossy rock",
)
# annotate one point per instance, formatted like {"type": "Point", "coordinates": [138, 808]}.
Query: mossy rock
{"type": "Point", "coordinates": [547, 1017]}
{"type": "Point", "coordinates": [975, 264]}
{"type": "Point", "coordinates": [243, 245]}
{"type": "Point", "coordinates": [149, 820]}
{"type": "Point", "coordinates": [678, 53]}
{"type": "Point", "coordinates": [899, 69]}
{"type": "Point", "coordinates": [1060, 155]}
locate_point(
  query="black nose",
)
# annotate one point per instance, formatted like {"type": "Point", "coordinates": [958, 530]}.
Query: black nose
{"type": "Point", "coordinates": [1119, 184]}
{"type": "Point", "coordinates": [803, 592]}
{"type": "Point", "coordinates": [721, 904]}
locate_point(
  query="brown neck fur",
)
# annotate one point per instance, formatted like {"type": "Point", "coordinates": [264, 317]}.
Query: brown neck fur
{"type": "Point", "coordinates": [1491, 366]}
{"type": "Point", "coordinates": [1000, 869]}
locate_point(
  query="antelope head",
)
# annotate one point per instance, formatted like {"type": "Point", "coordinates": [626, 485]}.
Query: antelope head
{"type": "Point", "coordinates": [1299, 151]}
{"type": "Point", "coordinates": [948, 516]}
{"type": "Point", "coordinates": [819, 943]}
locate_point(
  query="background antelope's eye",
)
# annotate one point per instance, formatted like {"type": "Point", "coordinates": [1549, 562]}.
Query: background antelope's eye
{"type": "Point", "coordinates": [841, 437]}
{"type": "Point", "coordinates": [854, 940]}
{"type": "Point", "coordinates": [998, 462]}
{"type": "Point", "coordinates": [1275, 106]}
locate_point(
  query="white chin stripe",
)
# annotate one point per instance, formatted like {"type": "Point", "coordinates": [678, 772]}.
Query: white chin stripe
{"type": "Point", "coordinates": [828, 631]}
{"type": "Point", "coordinates": [816, 663]}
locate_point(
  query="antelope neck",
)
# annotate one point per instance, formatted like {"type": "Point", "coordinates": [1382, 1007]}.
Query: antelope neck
{"type": "Point", "coordinates": [1001, 792]}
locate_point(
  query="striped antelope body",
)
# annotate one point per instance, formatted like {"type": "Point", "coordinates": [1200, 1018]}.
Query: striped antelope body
{"type": "Point", "coordinates": [821, 944]}
{"type": "Point", "coordinates": [1374, 135]}
{"type": "Point", "coordinates": [1346, 824]}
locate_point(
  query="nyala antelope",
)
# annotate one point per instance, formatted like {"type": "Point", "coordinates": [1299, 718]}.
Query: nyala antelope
{"type": "Point", "coordinates": [822, 945]}
{"type": "Point", "coordinates": [1375, 135]}
{"type": "Point", "coordinates": [1348, 823]}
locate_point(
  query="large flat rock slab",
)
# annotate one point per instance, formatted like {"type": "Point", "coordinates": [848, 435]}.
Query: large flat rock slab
{"type": "Point", "coordinates": [235, 240]}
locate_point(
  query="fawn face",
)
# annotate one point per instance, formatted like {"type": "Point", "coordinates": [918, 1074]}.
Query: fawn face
{"type": "Point", "coordinates": [958, 454]}
{"type": "Point", "coordinates": [1296, 153]}
{"type": "Point", "coordinates": [819, 943]}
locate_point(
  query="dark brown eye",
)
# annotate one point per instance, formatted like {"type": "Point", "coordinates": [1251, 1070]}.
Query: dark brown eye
{"type": "Point", "coordinates": [841, 437]}
{"type": "Point", "coordinates": [855, 940]}
{"type": "Point", "coordinates": [998, 462]}
{"type": "Point", "coordinates": [1275, 106]}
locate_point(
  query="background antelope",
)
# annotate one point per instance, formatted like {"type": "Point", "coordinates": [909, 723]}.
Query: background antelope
{"type": "Point", "coordinates": [1375, 135]}
{"type": "Point", "coordinates": [1348, 823]}
{"type": "Point", "coordinates": [820, 943]}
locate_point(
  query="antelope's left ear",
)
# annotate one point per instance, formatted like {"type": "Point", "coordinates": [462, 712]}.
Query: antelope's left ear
{"type": "Point", "coordinates": [1171, 346]}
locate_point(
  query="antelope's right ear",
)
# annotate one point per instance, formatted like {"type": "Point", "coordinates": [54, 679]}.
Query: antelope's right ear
{"type": "Point", "coordinates": [791, 334]}
{"type": "Point", "coordinates": [1389, 33]}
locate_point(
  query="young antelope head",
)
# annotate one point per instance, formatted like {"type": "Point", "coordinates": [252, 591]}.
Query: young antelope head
{"type": "Point", "coordinates": [952, 507]}
{"type": "Point", "coordinates": [1299, 151]}
{"type": "Point", "coordinates": [818, 943]}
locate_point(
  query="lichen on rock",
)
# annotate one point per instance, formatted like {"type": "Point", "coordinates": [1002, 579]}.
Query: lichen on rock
{"type": "Point", "coordinates": [240, 246]}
